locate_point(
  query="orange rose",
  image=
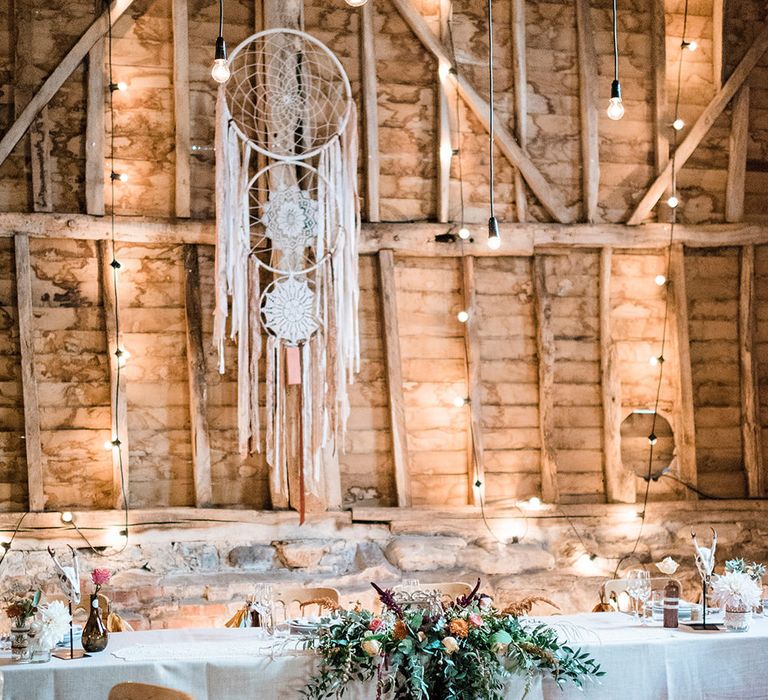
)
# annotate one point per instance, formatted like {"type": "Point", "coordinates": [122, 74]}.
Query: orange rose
{"type": "Point", "coordinates": [459, 628]}
{"type": "Point", "coordinates": [400, 630]}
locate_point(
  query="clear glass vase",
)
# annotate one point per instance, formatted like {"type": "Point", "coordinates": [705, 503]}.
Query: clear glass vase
{"type": "Point", "coordinates": [737, 619]}
{"type": "Point", "coordinates": [20, 644]}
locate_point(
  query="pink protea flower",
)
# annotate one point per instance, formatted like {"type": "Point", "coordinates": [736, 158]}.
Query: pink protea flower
{"type": "Point", "coordinates": [375, 624]}
{"type": "Point", "coordinates": [475, 620]}
{"type": "Point", "coordinates": [100, 577]}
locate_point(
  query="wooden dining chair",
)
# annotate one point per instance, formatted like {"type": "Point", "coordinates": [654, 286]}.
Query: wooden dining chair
{"type": "Point", "coordinates": [144, 691]}
{"type": "Point", "coordinates": [616, 589]}
{"type": "Point", "coordinates": [297, 601]}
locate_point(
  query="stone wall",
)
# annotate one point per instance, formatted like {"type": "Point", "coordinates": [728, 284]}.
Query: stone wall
{"type": "Point", "coordinates": [196, 574]}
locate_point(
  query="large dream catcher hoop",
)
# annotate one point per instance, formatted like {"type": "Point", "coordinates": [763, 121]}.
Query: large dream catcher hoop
{"type": "Point", "coordinates": [294, 220]}
{"type": "Point", "coordinates": [287, 78]}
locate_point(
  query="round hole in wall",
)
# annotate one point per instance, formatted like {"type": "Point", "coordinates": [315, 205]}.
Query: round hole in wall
{"type": "Point", "coordinates": [635, 448]}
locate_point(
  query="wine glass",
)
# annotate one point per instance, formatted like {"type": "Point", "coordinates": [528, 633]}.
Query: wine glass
{"type": "Point", "coordinates": [643, 592]}
{"type": "Point", "coordinates": [633, 583]}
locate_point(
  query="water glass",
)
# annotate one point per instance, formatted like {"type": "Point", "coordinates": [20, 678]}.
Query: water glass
{"type": "Point", "coordinates": [263, 602]}
{"type": "Point", "coordinates": [657, 606]}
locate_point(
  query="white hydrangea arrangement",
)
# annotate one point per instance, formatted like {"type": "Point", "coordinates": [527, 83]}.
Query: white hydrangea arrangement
{"type": "Point", "coordinates": [50, 625]}
{"type": "Point", "coordinates": [736, 590]}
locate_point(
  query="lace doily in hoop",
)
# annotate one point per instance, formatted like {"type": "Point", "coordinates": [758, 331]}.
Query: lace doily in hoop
{"type": "Point", "coordinates": [291, 227]}
{"type": "Point", "coordinates": [288, 94]}
{"type": "Point", "coordinates": [288, 310]}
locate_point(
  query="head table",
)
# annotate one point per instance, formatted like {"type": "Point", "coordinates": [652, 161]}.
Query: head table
{"type": "Point", "coordinates": [648, 663]}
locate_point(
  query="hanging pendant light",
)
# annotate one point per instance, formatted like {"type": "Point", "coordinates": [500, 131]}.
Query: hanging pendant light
{"type": "Point", "coordinates": [494, 239]}
{"type": "Point", "coordinates": [615, 109]}
{"type": "Point", "coordinates": [220, 71]}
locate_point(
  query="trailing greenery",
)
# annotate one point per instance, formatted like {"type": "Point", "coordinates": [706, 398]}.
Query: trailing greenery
{"type": "Point", "coordinates": [465, 650]}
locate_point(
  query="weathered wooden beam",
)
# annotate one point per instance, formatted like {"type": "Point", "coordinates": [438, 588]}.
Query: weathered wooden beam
{"type": "Point", "coordinates": [34, 451]}
{"type": "Point", "coordinates": [545, 350]}
{"type": "Point", "coordinates": [25, 77]}
{"type": "Point", "coordinates": [181, 107]}
{"type": "Point", "coordinates": [590, 161]}
{"type": "Point", "coordinates": [118, 392]}
{"type": "Point", "coordinates": [198, 386]}
{"type": "Point", "coordinates": [750, 398]}
{"type": "Point", "coordinates": [685, 438]}
{"type": "Point", "coordinates": [94, 132]}
{"type": "Point", "coordinates": [520, 89]}
{"type": "Point", "coordinates": [548, 197]}
{"type": "Point", "coordinates": [56, 79]}
{"type": "Point", "coordinates": [283, 13]}
{"type": "Point", "coordinates": [394, 368]}
{"type": "Point", "coordinates": [660, 118]}
{"type": "Point", "coordinates": [737, 157]}
{"type": "Point", "coordinates": [619, 482]}
{"type": "Point", "coordinates": [444, 143]}
{"type": "Point", "coordinates": [370, 111]}
{"type": "Point", "coordinates": [404, 238]}
{"type": "Point", "coordinates": [700, 129]}
{"type": "Point", "coordinates": [718, 26]}
{"type": "Point", "coordinates": [476, 471]}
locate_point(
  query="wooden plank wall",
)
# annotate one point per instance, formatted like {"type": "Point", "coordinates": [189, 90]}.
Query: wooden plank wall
{"type": "Point", "coordinates": [761, 344]}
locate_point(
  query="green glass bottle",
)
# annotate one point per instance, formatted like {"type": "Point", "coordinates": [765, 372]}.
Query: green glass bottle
{"type": "Point", "coordinates": [95, 635]}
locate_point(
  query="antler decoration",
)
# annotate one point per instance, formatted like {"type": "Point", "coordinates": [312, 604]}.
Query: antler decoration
{"type": "Point", "coordinates": [705, 556]}
{"type": "Point", "coordinates": [69, 576]}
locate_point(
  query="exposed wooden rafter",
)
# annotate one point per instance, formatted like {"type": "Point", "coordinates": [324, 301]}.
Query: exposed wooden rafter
{"type": "Point", "coordinates": [737, 157]}
{"type": "Point", "coordinates": [32, 443]}
{"type": "Point", "coordinates": [590, 161]}
{"type": "Point", "coordinates": [545, 351]}
{"type": "Point", "coordinates": [394, 368]}
{"type": "Point", "coordinates": [659, 62]}
{"type": "Point", "coordinates": [444, 142]}
{"type": "Point", "coordinates": [118, 400]}
{"type": "Point", "coordinates": [94, 132]}
{"type": "Point", "coordinates": [548, 197]}
{"type": "Point", "coordinates": [370, 112]}
{"type": "Point", "coordinates": [56, 79]}
{"type": "Point", "coordinates": [750, 400]}
{"type": "Point", "coordinates": [619, 482]}
{"type": "Point", "coordinates": [476, 471]}
{"type": "Point", "coordinates": [182, 190]}
{"type": "Point", "coordinates": [520, 77]}
{"type": "Point", "coordinates": [700, 129]}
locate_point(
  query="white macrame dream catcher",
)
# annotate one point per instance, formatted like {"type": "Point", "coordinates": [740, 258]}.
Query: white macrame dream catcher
{"type": "Point", "coordinates": [295, 221]}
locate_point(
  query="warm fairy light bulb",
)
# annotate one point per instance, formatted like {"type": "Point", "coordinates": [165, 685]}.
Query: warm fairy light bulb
{"type": "Point", "coordinates": [463, 316]}
{"type": "Point", "coordinates": [356, 3]}
{"type": "Point", "coordinates": [615, 109]}
{"type": "Point", "coordinates": [446, 152]}
{"type": "Point", "coordinates": [690, 45]}
{"type": "Point", "coordinates": [653, 360]}
{"type": "Point", "coordinates": [443, 70]}
{"type": "Point", "coordinates": [459, 401]}
{"type": "Point", "coordinates": [108, 444]}
{"type": "Point", "coordinates": [464, 233]}
{"type": "Point", "coordinates": [652, 439]}
{"type": "Point", "coordinates": [220, 71]}
{"type": "Point", "coordinates": [121, 86]}
{"type": "Point", "coordinates": [678, 124]}
{"type": "Point", "coordinates": [660, 280]}
{"type": "Point", "coordinates": [494, 242]}
{"type": "Point", "coordinates": [672, 202]}
{"type": "Point", "coordinates": [66, 517]}
{"type": "Point", "coordinates": [123, 177]}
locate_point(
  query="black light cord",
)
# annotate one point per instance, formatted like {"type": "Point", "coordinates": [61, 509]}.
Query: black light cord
{"type": "Point", "coordinates": [615, 44]}
{"type": "Point", "coordinates": [221, 18]}
{"type": "Point", "coordinates": [490, 107]}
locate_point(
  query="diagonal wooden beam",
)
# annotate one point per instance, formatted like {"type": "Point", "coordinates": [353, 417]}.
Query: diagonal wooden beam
{"type": "Point", "coordinates": [702, 126]}
{"type": "Point", "coordinates": [549, 199]}
{"type": "Point", "coordinates": [738, 142]}
{"type": "Point", "coordinates": [56, 79]}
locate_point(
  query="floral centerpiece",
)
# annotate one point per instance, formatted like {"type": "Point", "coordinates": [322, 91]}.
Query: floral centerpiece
{"type": "Point", "coordinates": [95, 636]}
{"type": "Point", "coordinates": [465, 650]}
{"type": "Point", "coordinates": [50, 626]}
{"type": "Point", "coordinates": [738, 592]}
{"type": "Point", "coordinates": [21, 609]}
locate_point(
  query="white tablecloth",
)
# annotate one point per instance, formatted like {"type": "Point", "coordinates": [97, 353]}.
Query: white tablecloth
{"type": "Point", "coordinates": [642, 663]}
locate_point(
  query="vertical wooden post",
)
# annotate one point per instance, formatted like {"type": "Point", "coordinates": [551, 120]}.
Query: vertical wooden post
{"type": "Point", "coordinates": [685, 440]}
{"type": "Point", "coordinates": [619, 482]}
{"type": "Point", "coordinates": [34, 451]}
{"type": "Point", "coordinates": [394, 378]}
{"type": "Point", "coordinates": [476, 471]}
{"type": "Point", "coordinates": [94, 132]}
{"type": "Point", "coordinates": [737, 157]}
{"type": "Point", "coordinates": [717, 43]}
{"type": "Point", "coordinates": [181, 106]}
{"type": "Point", "coordinates": [659, 67]}
{"type": "Point", "coordinates": [545, 348]}
{"type": "Point", "coordinates": [198, 387]}
{"type": "Point", "coordinates": [517, 21]}
{"type": "Point", "coordinates": [25, 77]}
{"type": "Point", "coordinates": [118, 396]}
{"type": "Point", "coordinates": [444, 145]}
{"type": "Point", "coordinates": [750, 402]}
{"type": "Point", "coordinates": [371, 114]}
{"type": "Point", "coordinates": [590, 168]}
